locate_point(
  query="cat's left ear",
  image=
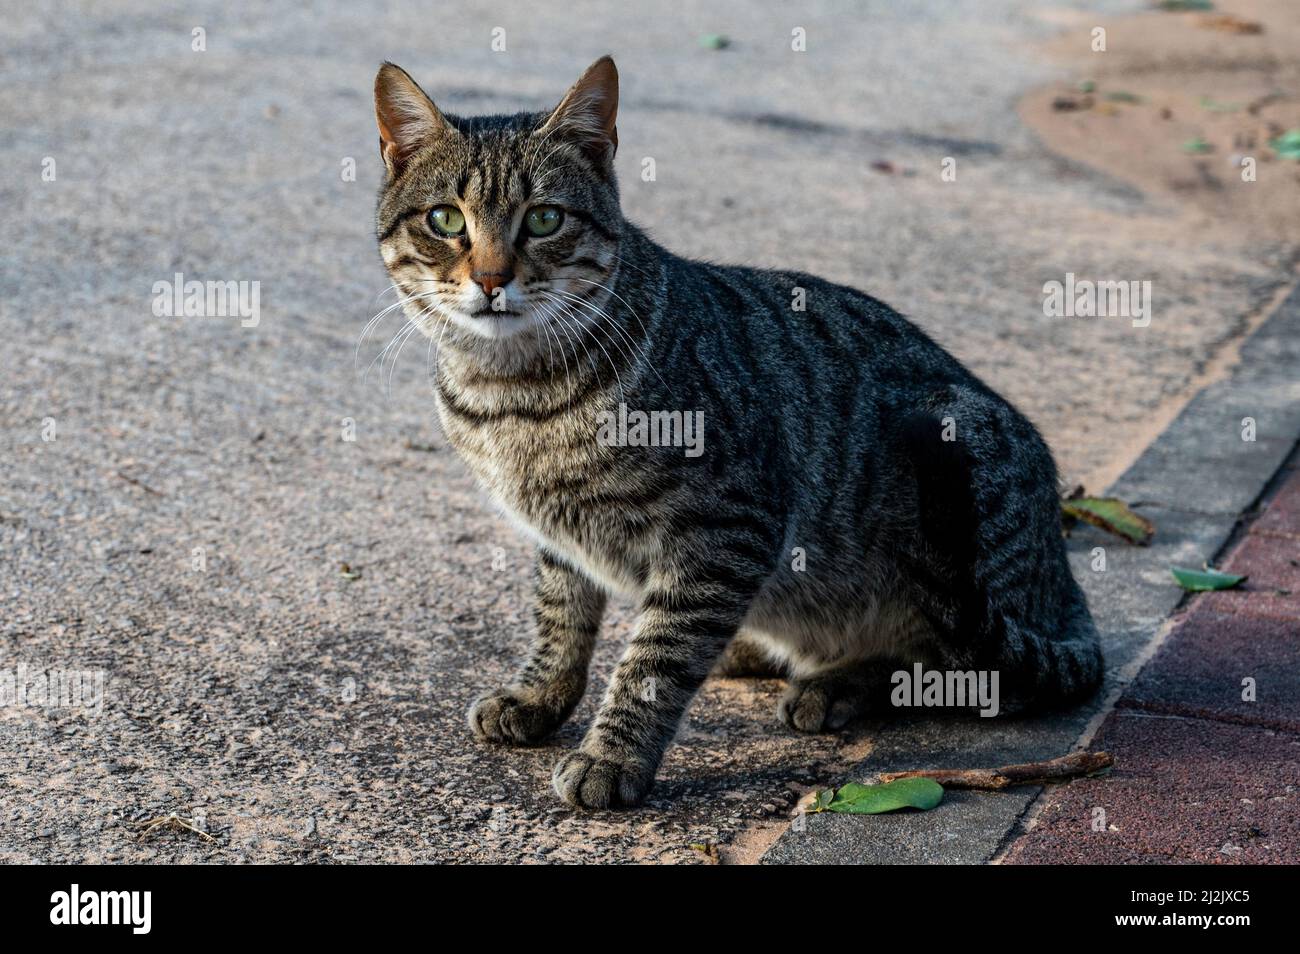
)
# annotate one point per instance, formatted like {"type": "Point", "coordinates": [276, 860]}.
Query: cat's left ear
{"type": "Point", "coordinates": [588, 111]}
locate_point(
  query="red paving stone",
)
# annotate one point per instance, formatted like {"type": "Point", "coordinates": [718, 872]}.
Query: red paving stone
{"type": "Point", "coordinates": [1200, 668]}
{"type": "Point", "coordinates": [1283, 512]}
{"type": "Point", "coordinates": [1183, 790]}
{"type": "Point", "coordinates": [1272, 563]}
{"type": "Point", "coordinates": [1202, 775]}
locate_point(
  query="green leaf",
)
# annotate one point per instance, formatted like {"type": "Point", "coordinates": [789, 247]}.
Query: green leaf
{"type": "Point", "coordinates": [1202, 581]}
{"type": "Point", "coordinates": [715, 41]}
{"type": "Point", "coordinates": [858, 799]}
{"type": "Point", "coordinates": [1288, 144]}
{"type": "Point", "coordinates": [1111, 515]}
{"type": "Point", "coordinates": [1123, 96]}
{"type": "Point", "coordinates": [1180, 6]}
{"type": "Point", "coordinates": [1197, 145]}
{"type": "Point", "coordinates": [823, 800]}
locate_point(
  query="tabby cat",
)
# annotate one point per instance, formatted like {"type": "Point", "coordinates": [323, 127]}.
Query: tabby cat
{"type": "Point", "coordinates": [859, 501]}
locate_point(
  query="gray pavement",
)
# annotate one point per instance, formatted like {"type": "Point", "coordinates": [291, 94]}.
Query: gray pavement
{"type": "Point", "coordinates": [315, 713]}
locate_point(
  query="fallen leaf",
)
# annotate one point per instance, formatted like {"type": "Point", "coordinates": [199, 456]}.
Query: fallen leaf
{"type": "Point", "coordinates": [856, 798]}
{"type": "Point", "coordinates": [707, 850]}
{"type": "Point", "coordinates": [715, 41]}
{"type": "Point", "coordinates": [822, 800]}
{"type": "Point", "coordinates": [1202, 581]}
{"type": "Point", "coordinates": [1064, 104]}
{"type": "Point", "coordinates": [1230, 24]}
{"type": "Point", "coordinates": [1111, 515]}
{"type": "Point", "coordinates": [348, 573]}
{"type": "Point", "coordinates": [1287, 145]}
{"type": "Point", "coordinates": [1179, 6]}
{"type": "Point", "coordinates": [1196, 146]}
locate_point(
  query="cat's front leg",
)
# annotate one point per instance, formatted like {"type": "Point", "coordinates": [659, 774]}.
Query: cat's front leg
{"type": "Point", "coordinates": [567, 608]}
{"type": "Point", "coordinates": [681, 633]}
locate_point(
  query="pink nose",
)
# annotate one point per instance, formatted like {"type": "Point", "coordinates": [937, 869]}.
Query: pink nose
{"type": "Point", "coordinates": [491, 281]}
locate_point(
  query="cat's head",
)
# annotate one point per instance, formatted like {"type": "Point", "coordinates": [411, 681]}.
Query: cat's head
{"type": "Point", "coordinates": [500, 231]}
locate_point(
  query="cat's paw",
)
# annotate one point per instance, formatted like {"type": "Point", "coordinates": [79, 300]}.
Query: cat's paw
{"type": "Point", "coordinates": [743, 659]}
{"type": "Point", "coordinates": [817, 705]}
{"type": "Point", "coordinates": [586, 781]}
{"type": "Point", "coordinates": [509, 716]}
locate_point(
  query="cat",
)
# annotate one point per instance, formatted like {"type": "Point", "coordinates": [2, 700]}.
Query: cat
{"type": "Point", "coordinates": [860, 501]}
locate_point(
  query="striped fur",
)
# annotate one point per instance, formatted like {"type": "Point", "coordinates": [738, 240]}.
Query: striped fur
{"type": "Point", "coordinates": [823, 437]}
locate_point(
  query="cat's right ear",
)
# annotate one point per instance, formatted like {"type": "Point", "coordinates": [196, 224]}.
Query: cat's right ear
{"type": "Point", "coordinates": [406, 117]}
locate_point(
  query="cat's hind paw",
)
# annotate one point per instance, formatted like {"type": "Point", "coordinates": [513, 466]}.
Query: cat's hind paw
{"type": "Point", "coordinates": [586, 781]}
{"type": "Point", "coordinates": [507, 716]}
{"type": "Point", "coordinates": [818, 704]}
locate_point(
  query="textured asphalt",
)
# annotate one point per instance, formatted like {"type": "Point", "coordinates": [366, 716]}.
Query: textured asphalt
{"type": "Point", "coordinates": [291, 624]}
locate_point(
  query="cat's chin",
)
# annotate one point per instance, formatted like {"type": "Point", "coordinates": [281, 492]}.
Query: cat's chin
{"type": "Point", "coordinates": [503, 344]}
{"type": "Point", "coordinates": [496, 327]}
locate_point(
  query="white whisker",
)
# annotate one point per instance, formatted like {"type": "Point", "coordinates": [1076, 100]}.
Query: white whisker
{"type": "Point", "coordinates": [565, 305]}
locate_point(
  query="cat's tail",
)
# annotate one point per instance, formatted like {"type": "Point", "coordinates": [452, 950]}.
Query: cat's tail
{"type": "Point", "coordinates": [1045, 668]}
{"type": "Point", "coordinates": [989, 515]}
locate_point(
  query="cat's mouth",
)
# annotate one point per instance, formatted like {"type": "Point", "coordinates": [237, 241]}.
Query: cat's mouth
{"type": "Point", "coordinates": [495, 323]}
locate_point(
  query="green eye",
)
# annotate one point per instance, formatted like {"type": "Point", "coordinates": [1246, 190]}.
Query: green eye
{"type": "Point", "coordinates": [447, 220]}
{"type": "Point", "coordinates": [543, 220]}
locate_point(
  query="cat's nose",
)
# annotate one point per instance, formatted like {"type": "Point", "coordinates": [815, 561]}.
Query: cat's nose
{"type": "Point", "coordinates": [491, 281]}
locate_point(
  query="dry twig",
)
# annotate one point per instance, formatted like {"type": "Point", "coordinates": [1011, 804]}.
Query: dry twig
{"type": "Point", "coordinates": [1030, 773]}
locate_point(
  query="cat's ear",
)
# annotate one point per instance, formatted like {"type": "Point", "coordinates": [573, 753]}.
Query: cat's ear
{"type": "Point", "coordinates": [588, 112]}
{"type": "Point", "coordinates": [406, 117]}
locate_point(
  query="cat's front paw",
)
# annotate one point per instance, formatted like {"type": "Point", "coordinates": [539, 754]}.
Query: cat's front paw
{"type": "Point", "coordinates": [509, 716]}
{"type": "Point", "coordinates": [586, 781]}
